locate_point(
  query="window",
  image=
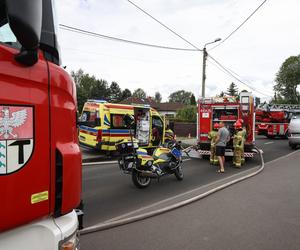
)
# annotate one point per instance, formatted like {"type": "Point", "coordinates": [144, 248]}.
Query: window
{"type": "Point", "coordinates": [157, 122]}
{"type": "Point", "coordinates": [7, 37]}
{"type": "Point", "coordinates": [90, 118]}
{"type": "Point", "coordinates": [117, 121]}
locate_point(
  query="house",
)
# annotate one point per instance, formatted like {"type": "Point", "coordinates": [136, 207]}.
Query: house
{"type": "Point", "coordinates": [167, 108]}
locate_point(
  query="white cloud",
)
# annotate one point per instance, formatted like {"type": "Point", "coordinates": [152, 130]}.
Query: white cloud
{"type": "Point", "coordinates": [255, 52]}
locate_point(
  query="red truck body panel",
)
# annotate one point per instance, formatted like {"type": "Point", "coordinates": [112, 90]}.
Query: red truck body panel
{"type": "Point", "coordinates": [227, 110]}
{"type": "Point", "coordinates": [42, 99]}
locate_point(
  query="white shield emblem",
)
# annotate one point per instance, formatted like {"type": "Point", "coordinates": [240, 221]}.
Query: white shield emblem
{"type": "Point", "coordinates": [16, 137]}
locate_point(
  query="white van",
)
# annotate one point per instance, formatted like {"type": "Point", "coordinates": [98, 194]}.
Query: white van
{"type": "Point", "coordinates": [294, 130]}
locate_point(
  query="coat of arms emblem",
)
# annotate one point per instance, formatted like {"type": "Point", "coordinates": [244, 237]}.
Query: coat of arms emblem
{"type": "Point", "coordinates": [16, 137]}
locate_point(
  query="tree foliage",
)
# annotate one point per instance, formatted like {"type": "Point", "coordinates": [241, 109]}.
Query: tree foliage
{"type": "Point", "coordinates": [193, 100]}
{"type": "Point", "coordinates": [188, 114]}
{"type": "Point", "coordinates": [89, 87]}
{"type": "Point", "coordinates": [180, 96]}
{"type": "Point", "coordinates": [232, 90]}
{"type": "Point", "coordinates": [126, 93]}
{"type": "Point", "coordinates": [157, 97]}
{"type": "Point", "coordinates": [115, 92]}
{"type": "Point", "coordinates": [139, 93]}
{"type": "Point", "coordinates": [287, 81]}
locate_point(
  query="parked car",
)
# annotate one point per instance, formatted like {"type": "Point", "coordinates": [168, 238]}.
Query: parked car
{"type": "Point", "coordinates": [294, 131]}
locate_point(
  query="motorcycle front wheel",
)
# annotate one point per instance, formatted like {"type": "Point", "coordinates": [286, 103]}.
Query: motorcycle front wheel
{"type": "Point", "coordinates": [140, 181]}
{"type": "Point", "coordinates": [178, 172]}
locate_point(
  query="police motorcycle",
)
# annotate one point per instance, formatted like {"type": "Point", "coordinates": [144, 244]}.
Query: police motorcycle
{"type": "Point", "coordinates": [143, 167]}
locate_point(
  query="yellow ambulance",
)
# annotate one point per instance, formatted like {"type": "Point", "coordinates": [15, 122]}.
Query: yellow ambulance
{"type": "Point", "coordinates": [101, 125]}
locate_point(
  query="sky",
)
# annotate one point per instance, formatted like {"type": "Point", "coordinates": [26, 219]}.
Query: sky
{"type": "Point", "coordinates": [255, 52]}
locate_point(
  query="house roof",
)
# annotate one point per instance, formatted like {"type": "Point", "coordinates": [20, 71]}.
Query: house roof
{"type": "Point", "coordinates": [169, 106]}
{"type": "Point", "coordinates": [134, 100]}
{"type": "Point", "coordinates": [166, 106]}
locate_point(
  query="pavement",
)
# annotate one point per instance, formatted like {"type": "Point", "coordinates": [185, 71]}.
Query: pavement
{"type": "Point", "coordinates": [262, 212]}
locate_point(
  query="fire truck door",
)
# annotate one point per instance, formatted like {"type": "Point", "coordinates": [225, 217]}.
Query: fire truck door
{"type": "Point", "coordinates": [24, 137]}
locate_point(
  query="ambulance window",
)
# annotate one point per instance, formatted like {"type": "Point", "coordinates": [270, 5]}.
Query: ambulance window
{"type": "Point", "coordinates": [157, 122]}
{"type": "Point", "coordinates": [117, 121]}
{"type": "Point", "coordinates": [88, 118]}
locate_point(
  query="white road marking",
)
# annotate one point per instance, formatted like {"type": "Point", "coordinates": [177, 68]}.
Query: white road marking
{"type": "Point", "coordinates": [270, 142]}
{"type": "Point", "coordinates": [98, 163]}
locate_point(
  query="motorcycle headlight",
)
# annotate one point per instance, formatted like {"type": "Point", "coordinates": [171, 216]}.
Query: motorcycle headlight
{"type": "Point", "coordinates": [149, 163]}
{"type": "Point", "coordinates": [123, 145]}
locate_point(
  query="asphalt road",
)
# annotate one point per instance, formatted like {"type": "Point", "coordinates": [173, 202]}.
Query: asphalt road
{"type": "Point", "coordinates": [108, 193]}
{"type": "Point", "coordinates": [259, 213]}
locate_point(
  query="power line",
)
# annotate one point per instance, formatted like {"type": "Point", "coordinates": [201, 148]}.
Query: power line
{"type": "Point", "coordinates": [175, 33]}
{"type": "Point", "coordinates": [232, 75]}
{"type": "Point", "coordinates": [240, 25]}
{"type": "Point", "coordinates": [93, 34]}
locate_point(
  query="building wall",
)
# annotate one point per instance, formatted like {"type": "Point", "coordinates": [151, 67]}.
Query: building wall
{"type": "Point", "coordinates": [183, 129]}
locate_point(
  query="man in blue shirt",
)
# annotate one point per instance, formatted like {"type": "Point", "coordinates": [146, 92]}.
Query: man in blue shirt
{"type": "Point", "coordinates": [223, 137]}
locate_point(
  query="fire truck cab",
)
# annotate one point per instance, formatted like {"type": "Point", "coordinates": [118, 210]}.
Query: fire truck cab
{"type": "Point", "coordinates": [40, 159]}
{"type": "Point", "coordinates": [227, 109]}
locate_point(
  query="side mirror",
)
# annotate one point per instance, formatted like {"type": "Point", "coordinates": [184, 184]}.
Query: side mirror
{"type": "Point", "coordinates": [25, 20]}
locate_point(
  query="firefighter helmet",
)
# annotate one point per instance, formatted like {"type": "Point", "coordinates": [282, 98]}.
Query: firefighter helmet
{"type": "Point", "coordinates": [238, 125]}
{"type": "Point", "coordinates": [216, 125]}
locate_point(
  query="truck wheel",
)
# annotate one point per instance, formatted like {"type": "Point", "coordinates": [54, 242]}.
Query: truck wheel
{"type": "Point", "coordinates": [140, 181]}
{"type": "Point", "coordinates": [179, 173]}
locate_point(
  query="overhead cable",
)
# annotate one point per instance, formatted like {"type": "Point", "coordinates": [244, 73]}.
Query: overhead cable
{"type": "Point", "coordinates": [155, 19]}
{"type": "Point", "coordinates": [235, 77]}
{"type": "Point", "coordinates": [226, 38]}
{"type": "Point", "coordinates": [94, 34]}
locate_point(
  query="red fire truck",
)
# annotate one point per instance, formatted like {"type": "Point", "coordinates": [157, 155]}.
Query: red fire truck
{"type": "Point", "coordinates": [40, 160]}
{"type": "Point", "coordinates": [228, 110]}
{"type": "Point", "coordinates": [273, 119]}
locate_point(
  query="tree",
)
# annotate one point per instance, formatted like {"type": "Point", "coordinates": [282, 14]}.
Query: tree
{"type": "Point", "coordinates": [157, 97]}
{"type": "Point", "coordinates": [232, 90]}
{"type": "Point", "coordinates": [84, 85]}
{"type": "Point", "coordinates": [257, 101]}
{"type": "Point", "coordinates": [99, 90]}
{"type": "Point", "coordinates": [89, 87]}
{"type": "Point", "coordinates": [188, 114]}
{"type": "Point", "coordinates": [193, 100]}
{"type": "Point", "coordinates": [126, 93]}
{"type": "Point", "coordinates": [222, 94]}
{"type": "Point", "coordinates": [287, 81]}
{"type": "Point", "coordinates": [115, 92]}
{"type": "Point", "coordinates": [139, 93]}
{"type": "Point", "coordinates": [180, 96]}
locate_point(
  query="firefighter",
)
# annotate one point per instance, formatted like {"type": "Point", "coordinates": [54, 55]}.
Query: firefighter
{"type": "Point", "coordinates": [244, 134]}
{"type": "Point", "coordinates": [212, 136]}
{"type": "Point", "coordinates": [238, 145]}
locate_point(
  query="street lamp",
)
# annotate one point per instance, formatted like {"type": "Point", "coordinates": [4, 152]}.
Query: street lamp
{"type": "Point", "coordinates": [204, 65]}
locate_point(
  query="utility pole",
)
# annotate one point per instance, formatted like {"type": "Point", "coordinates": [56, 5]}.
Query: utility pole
{"type": "Point", "coordinates": [203, 71]}
{"type": "Point", "coordinates": [204, 65]}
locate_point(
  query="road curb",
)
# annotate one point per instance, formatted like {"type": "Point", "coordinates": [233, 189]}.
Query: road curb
{"type": "Point", "coordinates": [112, 224]}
